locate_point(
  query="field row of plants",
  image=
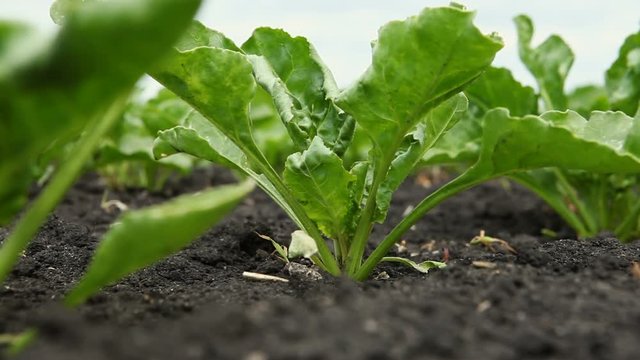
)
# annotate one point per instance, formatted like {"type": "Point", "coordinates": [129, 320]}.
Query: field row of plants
{"type": "Point", "coordinates": [270, 110]}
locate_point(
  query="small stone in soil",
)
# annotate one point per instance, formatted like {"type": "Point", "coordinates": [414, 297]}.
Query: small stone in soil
{"type": "Point", "coordinates": [302, 272]}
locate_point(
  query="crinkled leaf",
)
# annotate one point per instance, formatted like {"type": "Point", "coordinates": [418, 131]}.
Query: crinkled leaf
{"type": "Point", "coordinates": [430, 129]}
{"type": "Point", "coordinates": [549, 63]}
{"type": "Point", "coordinates": [526, 148]}
{"type": "Point", "coordinates": [623, 77]}
{"type": "Point", "coordinates": [142, 237]}
{"type": "Point", "coordinates": [322, 185]}
{"type": "Point", "coordinates": [50, 88]}
{"type": "Point", "coordinates": [302, 88]}
{"type": "Point", "coordinates": [302, 245]}
{"type": "Point", "coordinates": [447, 52]}
{"type": "Point", "coordinates": [585, 99]}
{"type": "Point", "coordinates": [422, 267]}
{"type": "Point", "coordinates": [609, 142]}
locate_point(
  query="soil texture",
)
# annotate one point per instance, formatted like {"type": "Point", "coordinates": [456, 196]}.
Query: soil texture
{"type": "Point", "coordinates": [553, 299]}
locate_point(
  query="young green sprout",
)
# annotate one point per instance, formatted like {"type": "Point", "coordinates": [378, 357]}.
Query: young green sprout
{"type": "Point", "coordinates": [490, 243]}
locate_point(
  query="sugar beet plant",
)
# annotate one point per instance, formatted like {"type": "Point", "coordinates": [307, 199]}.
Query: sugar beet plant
{"type": "Point", "coordinates": [406, 103]}
{"type": "Point", "coordinates": [595, 197]}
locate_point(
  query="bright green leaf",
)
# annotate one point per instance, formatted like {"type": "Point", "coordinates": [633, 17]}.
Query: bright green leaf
{"type": "Point", "coordinates": [199, 138]}
{"type": "Point", "coordinates": [422, 267]}
{"type": "Point", "coordinates": [219, 84]}
{"type": "Point", "coordinates": [623, 77]}
{"type": "Point", "coordinates": [447, 52]}
{"type": "Point", "coordinates": [430, 129]}
{"type": "Point", "coordinates": [319, 181]}
{"type": "Point", "coordinates": [496, 87]}
{"type": "Point", "coordinates": [585, 99]}
{"type": "Point", "coordinates": [549, 63]}
{"type": "Point", "coordinates": [607, 142]}
{"type": "Point", "coordinates": [302, 87]}
{"type": "Point", "coordinates": [198, 35]}
{"type": "Point", "coordinates": [140, 238]}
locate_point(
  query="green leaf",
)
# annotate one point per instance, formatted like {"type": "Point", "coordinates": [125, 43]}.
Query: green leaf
{"type": "Point", "coordinates": [302, 245]}
{"type": "Point", "coordinates": [51, 87]}
{"type": "Point", "coordinates": [302, 87]}
{"type": "Point", "coordinates": [447, 52]}
{"type": "Point", "coordinates": [417, 64]}
{"type": "Point", "coordinates": [269, 132]}
{"type": "Point", "coordinates": [623, 77]}
{"type": "Point", "coordinates": [586, 99]}
{"type": "Point", "coordinates": [199, 138]}
{"type": "Point", "coordinates": [460, 145]}
{"type": "Point", "coordinates": [61, 9]}
{"type": "Point", "coordinates": [126, 157]}
{"type": "Point", "coordinates": [280, 249]}
{"type": "Point", "coordinates": [422, 267]}
{"type": "Point", "coordinates": [430, 129]}
{"type": "Point", "coordinates": [140, 238]}
{"type": "Point", "coordinates": [198, 35]}
{"type": "Point", "coordinates": [549, 63]}
{"type": "Point", "coordinates": [219, 84]}
{"type": "Point", "coordinates": [496, 87]}
{"type": "Point", "coordinates": [162, 112]}
{"type": "Point", "coordinates": [319, 181]}
{"type": "Point", "coordinates": [607, 143]}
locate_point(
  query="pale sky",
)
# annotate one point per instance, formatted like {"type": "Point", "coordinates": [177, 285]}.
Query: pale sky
{"type": "Point", "coordinates": [342, 30]}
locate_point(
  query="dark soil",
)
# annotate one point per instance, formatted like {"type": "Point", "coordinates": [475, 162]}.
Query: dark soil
{"type": "Point", "coordinates": [555, 299]}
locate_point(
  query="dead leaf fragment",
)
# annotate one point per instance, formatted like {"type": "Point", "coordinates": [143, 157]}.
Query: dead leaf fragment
{"type": "Point", "coordinates": [484, 264]}
{"type": "Point", "coordinates": [429, 246]}
{"type": "Point", "coordinates": [263, 277]}
{"type": "Point", "coordinates": [635, 269]}
{"type": "Point", "coordinates": [483, 306]}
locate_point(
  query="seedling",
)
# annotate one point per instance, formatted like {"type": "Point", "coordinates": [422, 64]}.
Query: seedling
{"type": "Point", "coordinates": [491, 243]}
{"type": "Point", "coordinates": [281, 250]}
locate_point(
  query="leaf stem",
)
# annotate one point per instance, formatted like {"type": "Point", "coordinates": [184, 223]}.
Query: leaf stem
{"type": "Point", "coordinates": [461, 183]}
{"type": "Point", "coordinates": [365, 223]}
{"type": "Point", "coordinates": [325, 254]}
{"type": "Point", "coordinates": [553, 200]}
{"type": "Point", "coordinates": [624, 230]}
{"type": "Point", "coordinates": [590, 224]}
{"type": "Point", "coordinates": [28, 225]}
